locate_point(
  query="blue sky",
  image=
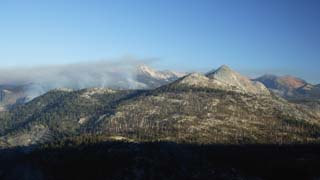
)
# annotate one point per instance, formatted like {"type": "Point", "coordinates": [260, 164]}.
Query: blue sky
{"type": "Point", "coordinates": [252, 36]}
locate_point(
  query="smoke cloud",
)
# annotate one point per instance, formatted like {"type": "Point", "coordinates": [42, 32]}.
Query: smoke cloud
{"type": "Point", "coordinates": [118, 73]}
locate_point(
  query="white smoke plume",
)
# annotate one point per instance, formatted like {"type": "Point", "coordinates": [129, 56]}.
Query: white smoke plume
{"type": "Point", "coordinates": [119, 73]}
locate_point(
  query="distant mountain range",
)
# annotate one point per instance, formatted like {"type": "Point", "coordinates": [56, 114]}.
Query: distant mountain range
{"type": "Point", "coordinates": [288, 87]}
{"type": "Point", "coordinates": [291, 88]}
{"type": "Point", "coordinates": [220, 107]}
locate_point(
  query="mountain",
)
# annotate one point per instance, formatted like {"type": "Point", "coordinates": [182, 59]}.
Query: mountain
{"type": "Point", "coordinates": [59, 112]}
{"type": "Point", "coordinates": [153, 79]}
{"type": "Point", "coordinates": [225, 75]}
{"type": "Point", "coordinates": [285, 84]}
{"type": "Point", "coordinates": [210, 109]}
{"type": "Point", "coordinates": [224, 78]}
{"type": "Point", "coordinates": [289, 87]}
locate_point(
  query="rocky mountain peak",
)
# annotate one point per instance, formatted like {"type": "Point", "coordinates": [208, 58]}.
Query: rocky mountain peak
{"type": "Point", "coordinates": [292, 82]}
{"type": "Point", "coordinates": [224, 78]}
{"type": "Point", "coordinates": [228, 77]}
{"type": "Point", "coordinates": [224, 69]}
{"type": "Point", "coordinates": [153, 78]}
{"type": "Point", "coordinates": [282, 82]}
{"type": "Point", "coordinates": [160, 75]}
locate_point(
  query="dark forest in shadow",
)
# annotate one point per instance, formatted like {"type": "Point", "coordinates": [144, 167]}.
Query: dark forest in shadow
{"type": "Point", "coordinates": [161, 160]}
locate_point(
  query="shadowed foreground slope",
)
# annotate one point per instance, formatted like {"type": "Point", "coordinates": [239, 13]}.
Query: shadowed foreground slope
{"type": "Point", "coordinates": [161, 160]}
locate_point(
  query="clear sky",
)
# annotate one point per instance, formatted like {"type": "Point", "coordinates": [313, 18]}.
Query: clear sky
{"type": "Point", "coordinates": [253, 36]}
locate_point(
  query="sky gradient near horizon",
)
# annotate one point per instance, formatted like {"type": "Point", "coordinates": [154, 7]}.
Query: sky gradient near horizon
{"type": "Point", "coordinates": [252, 36]}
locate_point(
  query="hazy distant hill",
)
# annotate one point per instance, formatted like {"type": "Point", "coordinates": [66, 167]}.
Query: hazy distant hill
{"type": "Point", "coordinates": [290, 87]}
{"type": "Point", "coordinates": [223, 107]}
